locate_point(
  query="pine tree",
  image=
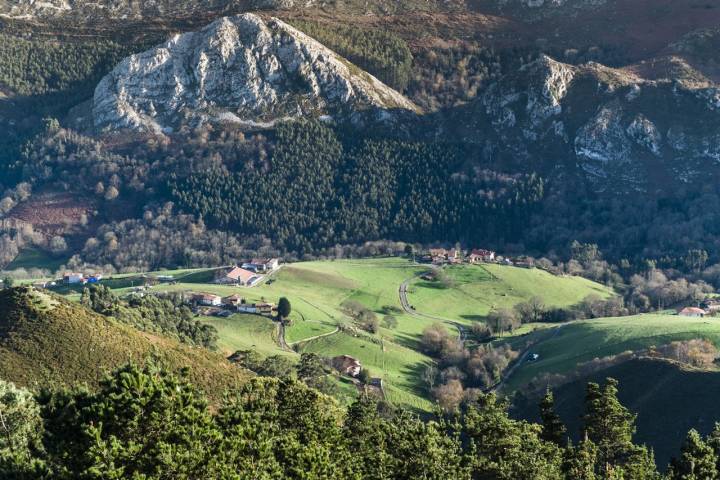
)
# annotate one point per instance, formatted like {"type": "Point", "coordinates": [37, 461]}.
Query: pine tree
{"type": "Point", "coordinates": [606, 421]}
{"type": "Point", "coordinates": [553, 428]}
{"type": "Point", "coordinates": [611, 426]}
{"type": "Point", "coordinates": [697, 460]}
{"type": "Point", "coordinates": [579, 462]}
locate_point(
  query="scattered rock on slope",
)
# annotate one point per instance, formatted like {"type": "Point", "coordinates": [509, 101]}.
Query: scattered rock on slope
{"type": "Point", "coordinates": [241, 69]}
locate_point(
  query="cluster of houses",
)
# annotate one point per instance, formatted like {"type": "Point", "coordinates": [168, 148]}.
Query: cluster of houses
{"type": "Point", "coordinates": [247, 274]}
{"type": "Point", "coordinates": [234, 303]}
{"type": "Point", "coordinates": [75, 278]}
{"type": "Point", "coordinates": [441, 256]}
{"type": "Point", "coordinates": [71, 278]}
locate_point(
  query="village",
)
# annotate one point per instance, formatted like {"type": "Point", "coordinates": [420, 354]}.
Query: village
{"type": "Point", "coordinates": [256, 271]}
{"type": "Point", "coordinates": [222, 302]}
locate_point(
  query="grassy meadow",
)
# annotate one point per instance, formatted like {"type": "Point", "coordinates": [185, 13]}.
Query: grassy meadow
{"type": "Point", "coordinates": [318, 289]}
{"type": "Point", "coordinates": [475, 290]}
{"type": "Point", "coordinates": [582, 341]}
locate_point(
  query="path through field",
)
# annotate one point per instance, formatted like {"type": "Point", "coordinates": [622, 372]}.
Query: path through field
{"type": "Point", "coordinates": [410, 310]}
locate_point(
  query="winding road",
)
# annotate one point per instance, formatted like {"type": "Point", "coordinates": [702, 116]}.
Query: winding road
{"type": "Point", "coordinates": [462, 333]}
{"type": "Point", "coordinates": [402, 291]}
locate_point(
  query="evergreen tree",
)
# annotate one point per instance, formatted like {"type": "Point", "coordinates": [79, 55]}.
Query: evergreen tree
{"type": "Point", "coordinates": [368, 435]}
{"type": "Point", "coordinates": [553, 429]}
{"type": "Point", "coordinates": [610, 426]}
{"type": "Point", "coordinates": [284, 308]}
{"type": "Point", "coordinates": [142, 423]}
{"type": "Point", "coordinates": [697, 460]}
{"type": "Point", "coordinates": [579, 462]}
{"type": "Point", "coordinates": [606, 421]}
{"type": "Point", "coordinates": [506, 448]}
{"type": "Point", "coordinates": [713, 440]}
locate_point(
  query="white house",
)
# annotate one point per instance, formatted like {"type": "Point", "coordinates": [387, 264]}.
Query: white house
{"type": "Point", "coordinates": [72, 278]}
{"type": "Point", "coordinates": [208, 299]}
{"type": "Point", "coordinates": [692, 312]}
{"type": "Point", "coordinates": [347, 365]}
{"type": "Point", "coordinates": [262, 265]}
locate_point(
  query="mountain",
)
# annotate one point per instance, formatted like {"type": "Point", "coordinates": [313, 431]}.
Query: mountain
{"type": "Point", "coordinates": [47, 340]}
{"type": "Point", "coordinates": [240, 69]}
{"type": "Point", "coordinates": [625, 132]}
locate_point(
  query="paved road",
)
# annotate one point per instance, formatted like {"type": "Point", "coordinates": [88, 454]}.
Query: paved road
{"type": "Point", "coordinates": [523, 357]}
{"type": "Point", "coordinates": [402, 291]}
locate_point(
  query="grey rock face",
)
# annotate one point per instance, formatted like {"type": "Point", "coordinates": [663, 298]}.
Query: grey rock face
{"type": "Point", "coordinates": [622, 131]}
{"type": "Point", "coordinates": [240, 69]}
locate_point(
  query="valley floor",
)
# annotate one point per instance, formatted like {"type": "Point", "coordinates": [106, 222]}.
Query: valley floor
{"type": "Point", "coordinates": [319, 290]}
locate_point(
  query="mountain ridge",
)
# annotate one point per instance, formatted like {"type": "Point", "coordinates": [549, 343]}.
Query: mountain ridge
{"type": "Point", "coordinates": [242, 70]}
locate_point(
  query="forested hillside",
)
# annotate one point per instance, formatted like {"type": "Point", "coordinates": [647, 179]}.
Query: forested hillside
{"type": "Point", "coordinates": [317, 192]}
{"type": "Point", "coordinates": [149, 423]}
{"type": "Point", "coordinates": [49, 341]}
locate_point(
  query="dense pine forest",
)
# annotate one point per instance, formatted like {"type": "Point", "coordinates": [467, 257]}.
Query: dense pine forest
{"type": "Point", "coordinates": [316, 192]}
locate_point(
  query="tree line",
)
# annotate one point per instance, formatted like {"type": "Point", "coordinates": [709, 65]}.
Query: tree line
{"type": "Point", "coordinates": [152, 424]}
{"type": "Point", "coordinates": [168, 315]}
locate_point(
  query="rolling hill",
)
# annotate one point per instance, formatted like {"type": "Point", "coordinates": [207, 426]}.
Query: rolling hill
{"type": "Point", "coordinates": [50, 341]}
{"type": "Point", "coordinates": [318, 290]}
{"type": "Point", "coordinates": [669, 400]}
{"type": "Point", "coordinates": [586, 340]}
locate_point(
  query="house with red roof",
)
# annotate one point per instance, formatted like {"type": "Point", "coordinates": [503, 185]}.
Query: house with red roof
{"type": "Point", "coordinates": [237, 276]}
{"type": "Point", "coordinates": [694, 312]}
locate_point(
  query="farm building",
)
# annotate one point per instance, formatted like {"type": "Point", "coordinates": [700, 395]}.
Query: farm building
{"type": "Point", "coordinates": [481, 255]}
{"type": "Point", "coordinates": [237, 276]}
{"type": "Point", "coordinates": [262, 308]}
{"type": "Point", "coordinates": [73, 278]}
{"type": "Point", "coordinates": [692, 312]}
{"type": "Point", "coordinates": [454, 255]}
{"type": "Point", "coordinates": [262, 265]}
{"type": "Point", "coordinates": [346, 365]}
{"type": "Point", "coordinates": [207, 299]}
{"type": "Point", "coordinates": [233, 300]}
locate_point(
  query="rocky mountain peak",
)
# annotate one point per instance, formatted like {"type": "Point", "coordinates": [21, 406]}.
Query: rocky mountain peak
{"type": "Point", "coordinates": [242, 69]}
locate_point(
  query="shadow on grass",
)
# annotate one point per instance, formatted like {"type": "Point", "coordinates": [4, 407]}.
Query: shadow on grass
{"type": "Point", "coordinates": [432, 285]}
{"type": "Point", "coordinates": [408, 341]}
{"type": "Point", "coordinates": [415, 372]}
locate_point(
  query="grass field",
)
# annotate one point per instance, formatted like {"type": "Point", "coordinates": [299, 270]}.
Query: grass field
{"type": "Point", "coordinates": [583, 341]}
{"type": "Point", "coordinates": [317, 291]}
{"type": "Point", "coordinates": [398, 366]}
{"type": "Point", "coordinates": [478, 289]}
{"type": "Point", "coordinates": [246, 332]}
{"type": "Point", "coordinates": [47, 340]}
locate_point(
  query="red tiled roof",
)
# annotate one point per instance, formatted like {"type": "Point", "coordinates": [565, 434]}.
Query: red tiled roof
{"type": "Point", "coordinates": [692, 310]}
{"type": "Point", "coordinates": [240, 274]}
